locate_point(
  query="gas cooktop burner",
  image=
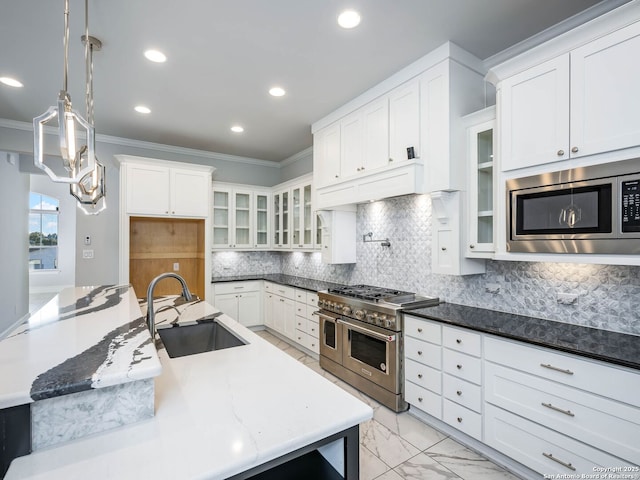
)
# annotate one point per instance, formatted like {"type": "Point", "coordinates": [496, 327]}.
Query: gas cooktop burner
{"type": "Point", "coordinates": [368, 292]}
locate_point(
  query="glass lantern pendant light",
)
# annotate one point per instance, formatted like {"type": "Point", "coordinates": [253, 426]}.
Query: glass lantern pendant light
{"type": "Point", "coordinates": [76, 166]}
{"type": "Point", "coordinates": [90, 191]}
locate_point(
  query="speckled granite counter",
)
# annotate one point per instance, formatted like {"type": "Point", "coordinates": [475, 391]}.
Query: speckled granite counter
{"type": "Point", "coordinates": [289, 280]}
{"type": "Point", "coordinates": [218, 413]}
{"type": "Point", "coordinates": [617, 348]}
{"type": "Point", "coordinates": [85, 338]}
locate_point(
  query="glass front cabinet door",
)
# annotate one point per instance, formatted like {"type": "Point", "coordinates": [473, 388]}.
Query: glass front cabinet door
{"type": "Point", "coordinates": [281, 219]}
{"type": "Point", "coordinates": [221, 219]}
{"type": "Point", "coordinates": [481, 179]}
{"type": "Point", "coordinates": [262, 214]}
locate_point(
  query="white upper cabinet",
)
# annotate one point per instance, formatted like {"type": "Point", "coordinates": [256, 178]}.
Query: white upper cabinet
{"type": "Point", "coordinates": [153, 188]}
{"type": "Point", "coordinates": [605, 104]}
{"type": "Point", "coordinates": [575, 96]}
{"type": "Point", "coordinates": [326, 155]}
{"type": "Point", "coordinates": [535, 115]}
{"type": "Point", "coordinates": [352, 156]}
{"type": "Point", "coordinates": [404, 122]}
{"type": "Point", "coordinates": [375, 135]}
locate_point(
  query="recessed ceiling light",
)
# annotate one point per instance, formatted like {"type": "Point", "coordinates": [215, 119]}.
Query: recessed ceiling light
{"type": "Point", "coordinates": [277, 91]}
{"type": "Point", "coordinates": [155, 56]}
{"type": "Point", "coordinates": [11, 82]}
{"type": "Point", "coordinates": [142, 109]}
{"type": "Point", "coordinates": [349, 19]}
{"type": "Point", "coordinates": [237, 129]}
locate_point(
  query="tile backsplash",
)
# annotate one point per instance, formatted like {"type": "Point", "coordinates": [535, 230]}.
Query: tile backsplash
{"type": "Point", "coordinates": [602, 296]}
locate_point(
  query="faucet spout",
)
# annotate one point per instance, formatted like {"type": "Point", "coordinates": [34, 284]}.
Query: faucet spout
{"type": "Point", "coordinates": [151, 316]}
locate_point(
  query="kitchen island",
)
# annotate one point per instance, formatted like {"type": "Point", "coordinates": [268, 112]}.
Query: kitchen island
{"type": "Point", "coordinates": [218, 414]}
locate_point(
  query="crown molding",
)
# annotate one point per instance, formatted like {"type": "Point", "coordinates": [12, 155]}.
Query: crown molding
{"type": "Point", "coordinates": [307, 152]}
{"type": "Point", "coordinates": [597, 20]}
{"type": "Point", "coordinates": [127, 142]}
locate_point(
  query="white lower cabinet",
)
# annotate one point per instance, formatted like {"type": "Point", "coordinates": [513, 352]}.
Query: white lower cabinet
{"type": "Point", "coordinates": [306, 323]}
{"type": "Point", "coordinates": [242, 301]}
{"type": "Point", "coordinates": [553, 412]}
{"type": "Point", "coordinates": [579, 413]}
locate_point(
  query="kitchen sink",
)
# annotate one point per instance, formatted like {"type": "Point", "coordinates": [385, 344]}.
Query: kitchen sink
{"type": "Point", "coordinates": [201, 336]}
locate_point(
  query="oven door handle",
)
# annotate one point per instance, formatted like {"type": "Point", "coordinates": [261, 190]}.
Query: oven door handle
{"type": "Point", "coordinates": [326, 317]}
{"type": "Point", "coordinates": [371, 333]}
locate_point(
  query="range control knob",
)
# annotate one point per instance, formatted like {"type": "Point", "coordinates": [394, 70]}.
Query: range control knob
{"type": "Point", "coordinates": [372, 317]}
{"type": "Point", "coordinates": [382, 320]}
{"type": "Point", "coordinates": [320, 303]}
{"type": "Point", "coordinates": [360, 314]}
{"type": "Point", "coordinates": [346, 310]}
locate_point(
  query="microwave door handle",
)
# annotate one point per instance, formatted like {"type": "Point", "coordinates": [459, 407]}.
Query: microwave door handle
{"type": "Point", "coordinates": [371, 333]}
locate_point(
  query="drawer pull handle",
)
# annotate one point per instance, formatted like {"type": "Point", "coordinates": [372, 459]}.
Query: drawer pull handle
{"type": "Point", "coordinates": [564, 464]}
{"type": "Point", "coordinates": [551, 367]}
{"type": "Point", "coordinates": [458, 341]}
{"type": "Point", "coordinates": [459, 419]}
{"type": "Point", "coordinates": [419, 330]}
{"type": "Point", "coordinates": [459, 367]}
{"type": "Point", "coordinates": [419, 375]}
{"type": "Point", "coordinates": [553, 407]}
{"type": "Point", "coordinates": [459, 392]}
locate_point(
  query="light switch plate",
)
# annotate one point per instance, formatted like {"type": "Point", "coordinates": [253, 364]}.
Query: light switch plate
{"type": "Point", "coordinates": [87, 254]}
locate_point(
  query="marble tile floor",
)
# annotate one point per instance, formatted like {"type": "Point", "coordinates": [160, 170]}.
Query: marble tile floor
{"type": "Point", "coordinates": [396, 446]}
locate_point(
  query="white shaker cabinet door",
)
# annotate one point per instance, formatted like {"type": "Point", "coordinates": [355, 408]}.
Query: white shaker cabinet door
{"type": "Point", "coordinates": [535, 115]}
{"type": "Point", "coordinates": [605, 103]}
{"type": "Point", "coordinates": [190, 193]}
{"type": "Point", "coordinates": [147, 190]}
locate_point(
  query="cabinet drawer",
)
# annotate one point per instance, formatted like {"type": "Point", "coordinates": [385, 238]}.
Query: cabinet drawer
{"type": "Point", "coordinates": [222, 288]}
{"type": "Point", "coordinates": [283, 291]}
{"type": "Point", "coordinates": [603, 423]}
{"type": "Point", "coordinates": [307, 341]}
{"type": "Point", "coordinates": [462, 365]}
{"type": "Point", "coordinates": [301, 296]}
{"type": "Point", "coordinates": [312, 300]}
{"type": "Point", "coordinates": [269, 287]}
{"type": "Point", "coordinates": [593, 376]}
{"type": "Point", "coordinates": [462, 392]}
{"type": "Point", "coordinates": [423, 352]}
{"type": "Point", "coordinates": [540, 448]}
{"type": "Point", "coordinates": [313, 329]}
{"type": "Point", "coordinates": [424, 376]}
{"type": "Point", "coordinates": [301, 309]}
{"type": "Point", "coordinates": [423, 399]}
{"type": "Point", "coordinates": [301, 324]}
{"type": "Point", "coordinates": [462, 418]}
{"type": "Point", "coordinates": [423, 329]}
{"type": "Point", "coordinates": [462, 340]}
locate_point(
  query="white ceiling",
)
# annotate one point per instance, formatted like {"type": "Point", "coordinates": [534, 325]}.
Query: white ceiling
{"type": "Point", "coordinates": [223, 56]}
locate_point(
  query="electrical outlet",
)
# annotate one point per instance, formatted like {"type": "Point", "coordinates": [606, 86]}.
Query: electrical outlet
{"type": "Point", "coordinates": [176, 267]}
{"type": "Point", "coordinates": [567, 298]}
{"type": "Point", "coordinates": [87, 254]}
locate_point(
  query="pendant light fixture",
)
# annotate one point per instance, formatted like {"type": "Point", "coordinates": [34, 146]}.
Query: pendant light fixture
{"type": "Point", "coordinates": [69, 123]}
{"type": "Point", "coordinates": [90, 191]}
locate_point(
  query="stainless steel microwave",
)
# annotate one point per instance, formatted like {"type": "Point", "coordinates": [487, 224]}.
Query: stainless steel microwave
{"type": "Point", "coordinates": [593, 209]}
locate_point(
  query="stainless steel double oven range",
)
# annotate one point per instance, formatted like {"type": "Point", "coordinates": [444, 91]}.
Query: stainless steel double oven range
{"type": "Point", "coordinates": [361, 338]}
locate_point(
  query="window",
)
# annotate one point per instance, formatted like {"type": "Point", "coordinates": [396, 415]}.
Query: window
{"type": "Point", "coordinates": [43, 232]}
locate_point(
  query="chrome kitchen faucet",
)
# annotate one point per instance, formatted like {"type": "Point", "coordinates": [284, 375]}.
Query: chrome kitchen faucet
{"type": "Point", "coordinates": [151, 316]}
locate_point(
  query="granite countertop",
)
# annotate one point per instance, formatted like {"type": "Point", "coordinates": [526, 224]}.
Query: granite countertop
{"type": "Point", "coordinates": [217, 414]}
{"type": "Point", "coordinates": [618, 348]}
{"type": "Point", "coordinates": [85, 338]}
{"type": "Point", "coordinates": [289, 280]}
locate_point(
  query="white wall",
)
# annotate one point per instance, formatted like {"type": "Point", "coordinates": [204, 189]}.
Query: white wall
{"type": "Point", "coordinates": [14, 250]}
{"type": "Point", "coordinates": [65, 275]}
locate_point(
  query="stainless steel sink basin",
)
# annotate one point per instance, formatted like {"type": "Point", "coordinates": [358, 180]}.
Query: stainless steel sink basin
{"type": "Point", "coordinates": [201, 336]}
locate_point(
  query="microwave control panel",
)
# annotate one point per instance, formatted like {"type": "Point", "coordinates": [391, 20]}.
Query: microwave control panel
{"type": "Point", "coordinates": [630, 203]}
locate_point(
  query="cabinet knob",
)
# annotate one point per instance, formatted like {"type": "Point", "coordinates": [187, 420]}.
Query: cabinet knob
{"type": "Point", "coordinates": [391, 159]}
{"type": "Point", "coordinates": [173, 212]}
{"type": "Point", "coordinates": [419, 330]}
{"type": "Point", "coordinates": [574, 149]}
{"type": "Point", "coordinates": [419, 399]}
{"type": "Point", "coordinates": [444, 249]}
{"type": "Point", "coordinates": [459, 419]}
{"type": "Point", "coordinates": [230, 246]}
{"type": "Point", "coordinates": [361, 168]}
{"type": "Point", "coordinates": [358, 169]}
{"type": "Point", "coordinates": [458, 341]}
{"type": "Point", "coordinates": [336, 176]}
{"type": "Point", "coordinates": [472, 246]}
{"type": "Point", "coordinates": [419, 352]}
{"type": "Point", "coordinates": [419, 375]}
{"type": "Point", "coordinates": [459, 367]}
{"type": "Point", "coordinates": [166, 211]}
{"type": "Point", "coordinates": [560, 153]}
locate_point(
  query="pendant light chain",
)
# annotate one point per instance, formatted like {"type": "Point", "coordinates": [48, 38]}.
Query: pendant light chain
{"type": "Point", "coordinates": [66, 46]}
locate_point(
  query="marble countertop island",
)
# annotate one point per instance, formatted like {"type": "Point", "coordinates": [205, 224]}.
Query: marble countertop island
{"type": "Point", "coordinates": [218, 414]}
{"type": "Point", "coordinates": [85, 338]}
